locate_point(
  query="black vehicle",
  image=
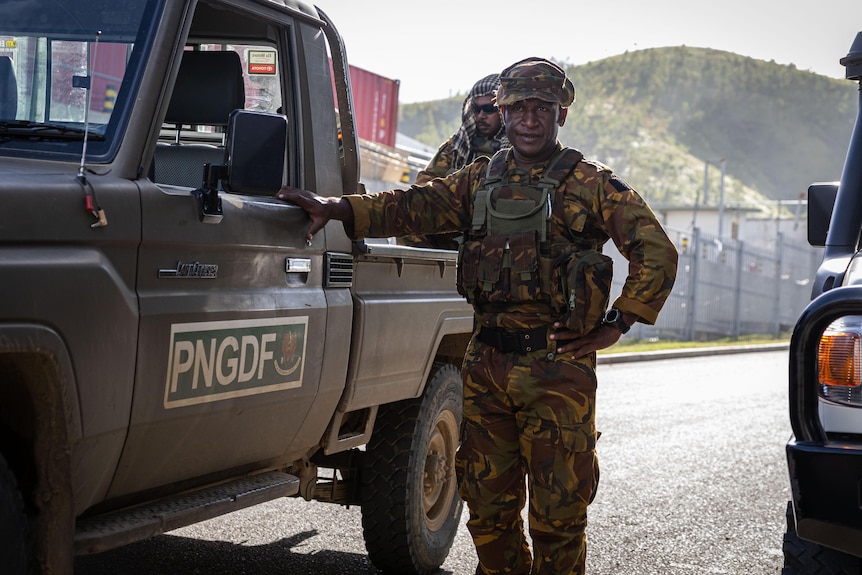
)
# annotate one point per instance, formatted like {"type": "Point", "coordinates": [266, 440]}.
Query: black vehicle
{"type": "Point", "coordinates": [824, 518]}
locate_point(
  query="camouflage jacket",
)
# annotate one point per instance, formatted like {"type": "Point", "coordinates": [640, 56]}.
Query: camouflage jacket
{"type": "Point", "coordinates": [440, 166]}
{"type": "Point", "coordinates": [591, 205]}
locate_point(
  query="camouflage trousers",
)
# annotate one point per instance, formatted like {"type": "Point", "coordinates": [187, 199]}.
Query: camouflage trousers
{"type": "Point", "coordinates": [528, 420]}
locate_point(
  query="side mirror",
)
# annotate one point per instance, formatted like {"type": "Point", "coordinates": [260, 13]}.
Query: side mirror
{"type": "Point", "coordinates": [821, 201]}
{"type": "Point", "coordinates": [254, 153]}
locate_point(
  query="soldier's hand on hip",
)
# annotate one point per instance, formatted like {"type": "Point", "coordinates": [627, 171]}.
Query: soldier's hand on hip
{"type": "Point", "coordinates": [580, 345]}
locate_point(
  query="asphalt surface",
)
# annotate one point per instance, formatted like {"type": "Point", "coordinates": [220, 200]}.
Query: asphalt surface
{"type": "Point", "coordinates": [611, 358]}
{"type": "Point", "coordinates": [694, 481]}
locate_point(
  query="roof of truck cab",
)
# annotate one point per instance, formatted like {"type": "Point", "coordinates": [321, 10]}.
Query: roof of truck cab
{"type": "Point", "coordinates": [299, 5]}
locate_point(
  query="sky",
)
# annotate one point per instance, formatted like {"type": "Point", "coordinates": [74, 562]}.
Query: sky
{"type": "Point", "coordinates": [439, 48]}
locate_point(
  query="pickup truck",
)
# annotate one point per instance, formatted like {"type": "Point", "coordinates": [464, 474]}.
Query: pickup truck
{"type": "Point", "coordinates": [824, 455]}
{"type": "Point", "coordinates": [171, 346]}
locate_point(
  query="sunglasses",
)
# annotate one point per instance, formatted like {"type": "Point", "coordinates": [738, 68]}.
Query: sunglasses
{"type": "Point", "coordinates": [487, 109]}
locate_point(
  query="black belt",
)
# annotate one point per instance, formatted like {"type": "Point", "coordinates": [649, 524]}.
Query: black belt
{"type": "Point", "coordinates": [514, 341]}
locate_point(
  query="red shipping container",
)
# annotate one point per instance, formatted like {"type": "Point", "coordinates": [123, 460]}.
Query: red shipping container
{"type": "Point", "coordinates": [375, 105]}
{"type": "Point", "coordinates": [109, 67]}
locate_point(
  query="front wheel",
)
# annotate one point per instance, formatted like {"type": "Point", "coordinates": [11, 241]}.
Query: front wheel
{"type": "Point", "coordinates": [410, 503]}
{"type": "Point", "coordinates": [803, 557]}
{"type": "Point", "coordinates": [15, 549]}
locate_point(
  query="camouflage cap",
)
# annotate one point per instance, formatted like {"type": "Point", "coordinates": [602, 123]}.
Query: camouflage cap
{"type": "Point", "coordinates": [535, 78]}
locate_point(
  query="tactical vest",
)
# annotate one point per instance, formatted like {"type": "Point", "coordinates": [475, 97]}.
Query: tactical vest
{"type": "Point", "coordinates": [513, 254]}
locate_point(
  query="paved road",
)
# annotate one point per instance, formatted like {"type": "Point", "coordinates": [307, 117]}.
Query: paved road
{"type": "Point", "coordinates": [693, 482]}
{"type": "Point", "coordinates": [694, 478]}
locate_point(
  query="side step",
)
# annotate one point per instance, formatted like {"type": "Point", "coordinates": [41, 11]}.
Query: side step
{"type": "Point", "coordinates": [103, 532]}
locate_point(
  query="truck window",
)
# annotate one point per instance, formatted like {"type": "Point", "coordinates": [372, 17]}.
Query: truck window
{"type": "Point", "coordinates": [261, 87]}
{"type": "Point", "coordinates": [232, 60]}
{"type": "Point", "coordinates": [51, 76]}
{"type": "Point", "coordinates": [61, 75]}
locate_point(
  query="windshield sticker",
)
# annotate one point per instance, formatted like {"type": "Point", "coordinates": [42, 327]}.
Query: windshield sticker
{"type": "Point", "coordinates": [262, 62]}
{"type": "Point", "coordinates": [212, 361]}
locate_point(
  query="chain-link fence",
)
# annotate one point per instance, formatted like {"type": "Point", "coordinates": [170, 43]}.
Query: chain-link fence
{"type": "Point", "coordinates": [727, 288]}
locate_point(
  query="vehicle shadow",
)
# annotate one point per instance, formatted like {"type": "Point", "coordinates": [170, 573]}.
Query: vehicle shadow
{"type": "Point", "coordinates": [176, 555]}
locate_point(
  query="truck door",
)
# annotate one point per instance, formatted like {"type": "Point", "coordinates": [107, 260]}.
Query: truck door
{"type": "Point", "coordinates": [227, 367]}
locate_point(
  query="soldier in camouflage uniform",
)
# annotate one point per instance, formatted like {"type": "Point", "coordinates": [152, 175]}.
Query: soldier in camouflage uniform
{"type": "Point", "coordinates": [536, 216]}
{"type": "Point", "coordinates": [481, 134]}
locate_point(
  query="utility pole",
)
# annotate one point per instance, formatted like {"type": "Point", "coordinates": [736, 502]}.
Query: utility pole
{"type": "Point", "coordinates": [705, 183]}
{"type": "Point", "coordinates": [721, 200]}
{"type": "Point", "coordinates": [721, 163]}
{"type": "Point", "coordinates": [694, 212]}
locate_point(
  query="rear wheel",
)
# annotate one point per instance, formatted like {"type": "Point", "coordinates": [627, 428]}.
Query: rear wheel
{"type": "Point", "coordinates": [15, 549]}
{"type": "Point", "coordinates": [803, 557]}
{"type": "Point", "coordinates": [410, 504]}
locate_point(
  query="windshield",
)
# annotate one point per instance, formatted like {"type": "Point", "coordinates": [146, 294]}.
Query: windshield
{"type": "Point", "coordinates": [65, 69]}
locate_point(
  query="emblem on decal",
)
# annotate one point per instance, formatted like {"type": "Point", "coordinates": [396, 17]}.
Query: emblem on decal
{"type": "Point", "coordinates": [289, 359]}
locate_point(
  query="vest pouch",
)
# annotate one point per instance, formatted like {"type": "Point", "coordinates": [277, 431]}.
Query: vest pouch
{"type": "Point", "coordinates": [550, 269]}
{"type": "Point", "coordinates": [507, 216]}
{"type": "Point", "coordinates": [524, 279]}
{"type": "Point", "coordinates": [491, 255]}
{"type": "Point", "coordinates": [585, 279]}
{"type": "Point", "coordinates": [467, 277]}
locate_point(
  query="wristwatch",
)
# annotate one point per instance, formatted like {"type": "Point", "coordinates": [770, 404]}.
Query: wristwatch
{"type": "Point", "coordinates": [614, 318]}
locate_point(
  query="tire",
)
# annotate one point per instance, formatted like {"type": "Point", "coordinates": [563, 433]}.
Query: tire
{"type": "Point", "coordinates": [410, 516]}
{"type": "Point", "coordinates": [15, 549]}
{"type": "Point", "coordinates": [803, 557]}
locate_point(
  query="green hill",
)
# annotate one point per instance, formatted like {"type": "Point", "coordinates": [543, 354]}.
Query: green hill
{"type": "Point", "coordinates": [657, 115]}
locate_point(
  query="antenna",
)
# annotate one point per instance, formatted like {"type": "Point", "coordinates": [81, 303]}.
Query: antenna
{"type": "Point", "coordinates": [89, 87]}
{"type": "Point", "coordinates": [90, 201]}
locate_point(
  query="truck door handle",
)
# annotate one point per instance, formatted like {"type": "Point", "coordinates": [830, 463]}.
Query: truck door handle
{"type": "Point", "coordinates": [298, 270]}
{"type": "Point", "coordinates": [297, 265]}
